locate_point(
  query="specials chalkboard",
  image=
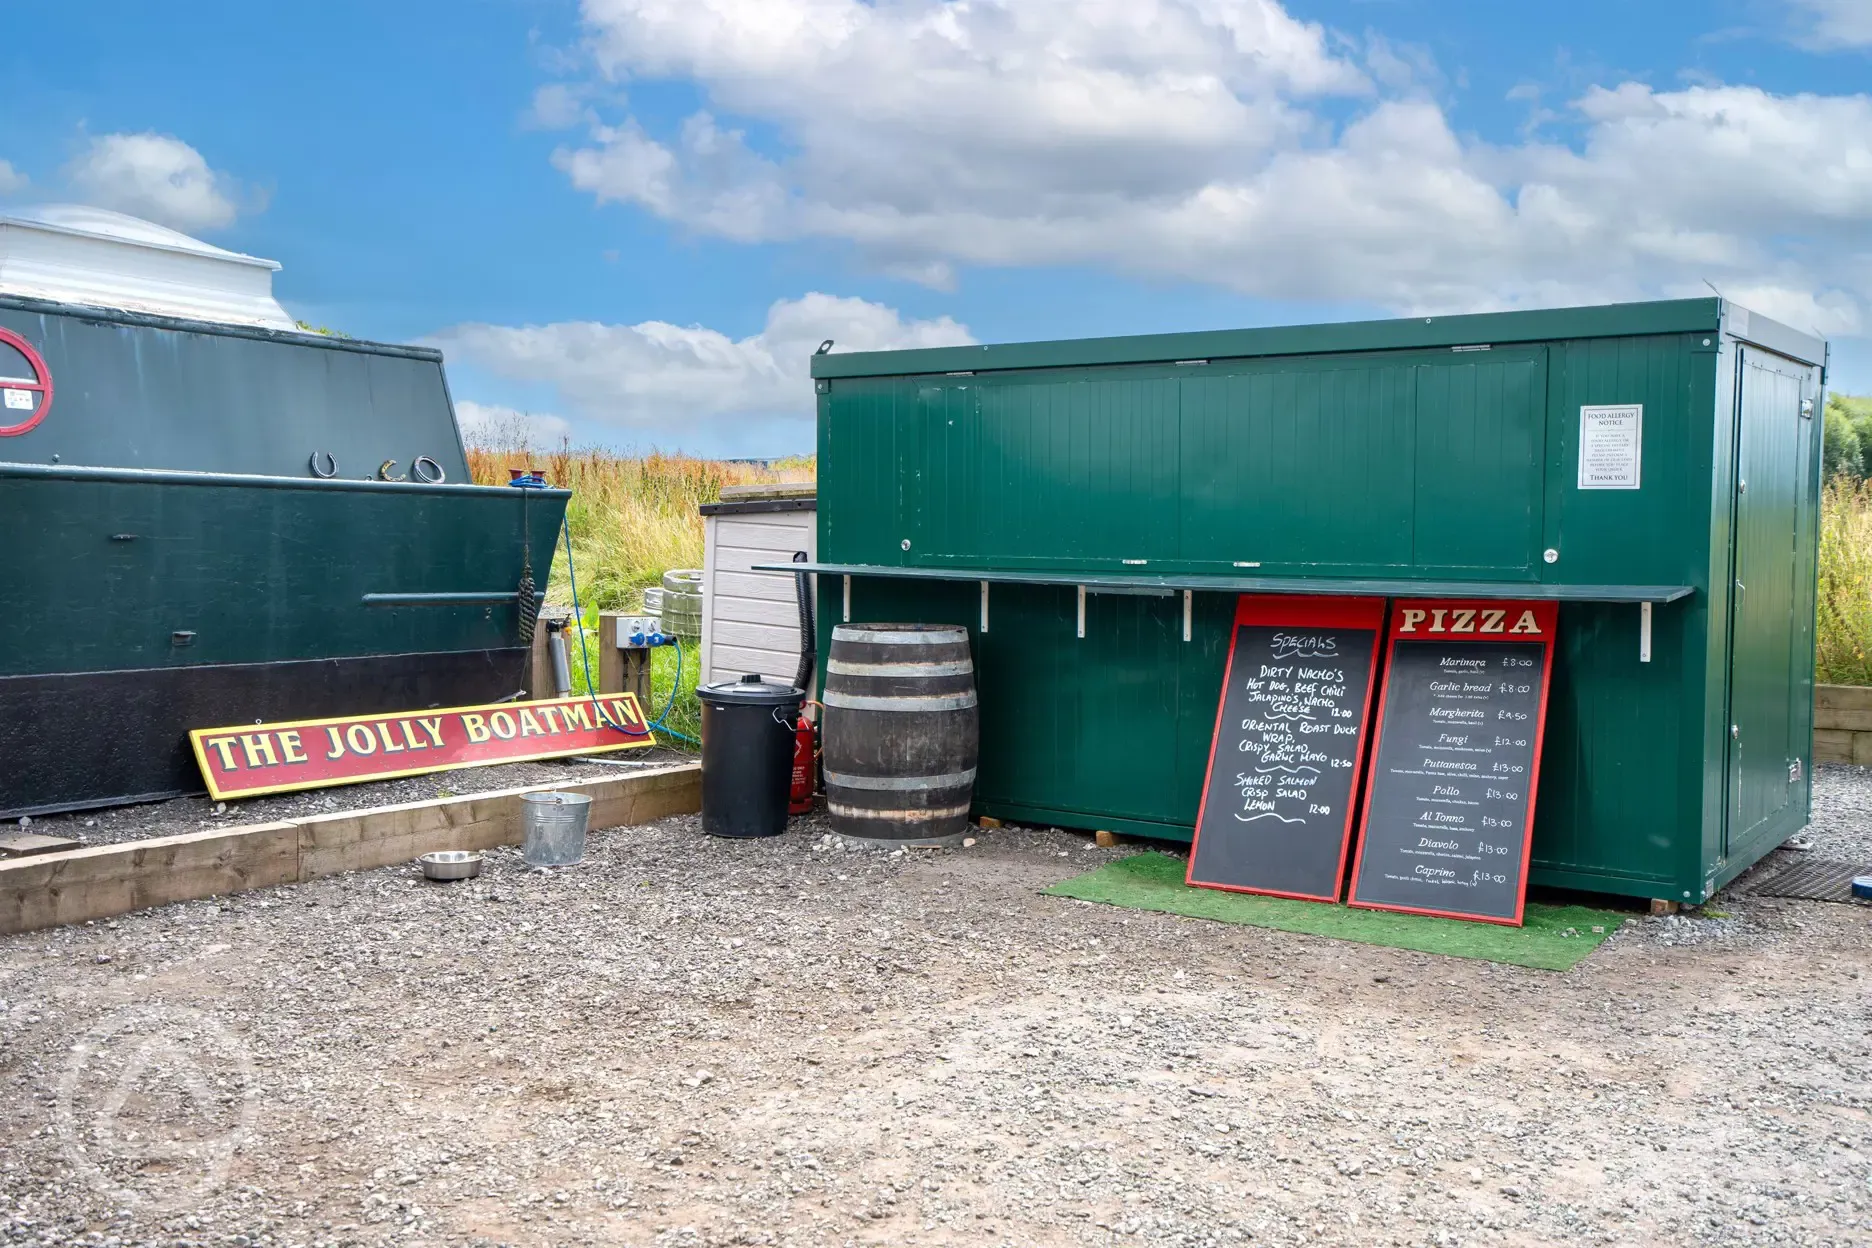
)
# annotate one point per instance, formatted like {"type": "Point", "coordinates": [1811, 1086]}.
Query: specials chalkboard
{"type": "Point", "coordinates": [1450, 805]}
{"type": "Point", "coordinates": [1277, 804]}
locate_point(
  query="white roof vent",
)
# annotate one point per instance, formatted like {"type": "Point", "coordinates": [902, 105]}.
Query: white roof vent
{"type": "Point", "coordinates": [92, 256]}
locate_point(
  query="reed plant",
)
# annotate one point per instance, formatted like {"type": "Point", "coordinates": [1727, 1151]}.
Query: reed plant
{"type": "Point", "coordinates": [1843, 624]}
{"type": "Point", "coordinates": [632, 518]}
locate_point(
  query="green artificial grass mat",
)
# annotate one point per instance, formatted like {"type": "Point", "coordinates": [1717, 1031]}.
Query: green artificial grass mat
{"type": "Point", "coordinates": [1554, 938]}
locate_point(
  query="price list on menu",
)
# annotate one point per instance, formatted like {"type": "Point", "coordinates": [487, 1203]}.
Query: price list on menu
{"type": "Point", "coordinates": [1451, 796]}
{"type": "Point", "coordinates": [1290, 738]}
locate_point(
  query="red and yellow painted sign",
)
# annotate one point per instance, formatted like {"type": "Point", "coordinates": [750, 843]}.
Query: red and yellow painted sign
{"type": "Point", "coordinates": [318, 753]}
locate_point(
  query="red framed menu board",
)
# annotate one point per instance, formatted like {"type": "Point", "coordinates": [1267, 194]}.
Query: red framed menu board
{"type": "Point", "coordinates": [1449, 809]}
{"type": "Point", "coordinates": [1289, 746]}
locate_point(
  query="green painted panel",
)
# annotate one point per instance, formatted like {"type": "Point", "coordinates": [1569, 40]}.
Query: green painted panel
{"type": "Point", "coordinates": [860, 426]}
{"type": "Point", "coordinates": [1479, 431]}
{"type": "Point", "coordinates": [1215, 467]}
{"type": "Point", "coordinates": [1611, 800]}
{"type": "Point", "coordinates": [1765, 644]}
{"type": "Point", "coordinates": [1593, 529]}
{"type": "Point", "coordinates": [1037, 471]}
{"type": "Point", "coordinates": [257, 572]}
{"type": "Point", "coordinates": [1271, 455]}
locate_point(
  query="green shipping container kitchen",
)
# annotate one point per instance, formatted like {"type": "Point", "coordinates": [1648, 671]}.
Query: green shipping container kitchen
{"type": "Point", "coordinates": [1060, 498]}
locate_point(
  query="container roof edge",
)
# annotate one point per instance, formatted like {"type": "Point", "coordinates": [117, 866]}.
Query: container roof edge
{"type": "Point", "coordinates": [1403, 333]}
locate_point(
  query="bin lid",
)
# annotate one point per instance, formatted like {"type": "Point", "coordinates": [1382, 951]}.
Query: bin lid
{"type": "Point", "coordinates": [751, 690]}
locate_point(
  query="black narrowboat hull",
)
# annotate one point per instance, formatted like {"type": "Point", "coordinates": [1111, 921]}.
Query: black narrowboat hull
{"type": "Point", "coordinates": [141, 604]}
{"type": "Point", "coordinates": [78, 740]}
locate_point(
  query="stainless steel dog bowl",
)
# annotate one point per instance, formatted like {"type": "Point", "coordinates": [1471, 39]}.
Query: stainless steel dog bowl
{"type": "Point", "coordinates": [451, 864]}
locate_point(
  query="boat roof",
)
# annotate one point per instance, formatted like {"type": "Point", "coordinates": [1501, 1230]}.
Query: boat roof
{"type": "Point", "coordinates": [77, 254]}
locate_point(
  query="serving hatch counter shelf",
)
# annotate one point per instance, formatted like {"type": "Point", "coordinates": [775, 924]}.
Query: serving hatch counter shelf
{"type": "Point", "coordinates": [1092, 510]}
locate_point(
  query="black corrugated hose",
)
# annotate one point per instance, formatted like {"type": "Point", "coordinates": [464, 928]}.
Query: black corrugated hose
{"type": "Point", "coordinates": [808, 638]}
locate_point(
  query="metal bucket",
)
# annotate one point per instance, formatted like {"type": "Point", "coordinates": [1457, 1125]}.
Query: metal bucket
{"type": "Point", "coordinates": [553, 828]}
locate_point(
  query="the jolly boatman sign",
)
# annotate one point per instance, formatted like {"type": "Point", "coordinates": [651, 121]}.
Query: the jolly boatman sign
{"type": "Point", "coordinates": [317, 753]}
{"type": "Point", "coordinates": [25, 385]}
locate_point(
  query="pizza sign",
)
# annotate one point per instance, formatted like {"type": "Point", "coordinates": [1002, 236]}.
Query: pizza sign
{"type": "Point", "coordinates": [24, 401]}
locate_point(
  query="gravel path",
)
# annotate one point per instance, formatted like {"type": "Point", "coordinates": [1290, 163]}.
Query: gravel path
{"type": "Point", "coordinates": [1842, 813]}
{"type": "Point", "coordinates": [687, 1041]}
{"type": "Point", "coordinates": [192, 814]}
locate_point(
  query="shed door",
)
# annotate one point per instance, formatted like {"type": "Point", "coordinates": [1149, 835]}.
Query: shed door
{"type": "Point", "coordinates": [1770, 441]}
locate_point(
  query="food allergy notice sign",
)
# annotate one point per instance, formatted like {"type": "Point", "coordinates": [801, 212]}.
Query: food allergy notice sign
{"type": "Point", "coordinates": [1449, 809]}
{"type": "Point", "coordinates": [1611, 440]}
{"type": "Point", "coordinates": [1277, 801]}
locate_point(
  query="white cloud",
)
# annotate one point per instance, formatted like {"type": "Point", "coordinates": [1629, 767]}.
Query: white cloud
{"type": "Point", "coordinates": [556, 106]}
{"type": "Point", "coordinates": [674, 383]}
{"type": "Point", "coordinates": [1190, 139]}
{"type": "Point", "coordinates": [156, 176]}
{"type": "Point", "coordinates": [495, 427]}
{"type": "Point", "coordinates": [1825, 25]}
{"type": "Point", "coordinates": [12, 180]}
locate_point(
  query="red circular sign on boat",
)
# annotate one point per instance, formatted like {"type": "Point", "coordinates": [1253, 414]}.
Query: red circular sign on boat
{"type": "Point", "coordinates": [24, 401]}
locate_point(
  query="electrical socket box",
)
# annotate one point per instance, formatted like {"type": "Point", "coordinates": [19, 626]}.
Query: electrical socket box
{"type": "Point", "coordinates": [635, 626]}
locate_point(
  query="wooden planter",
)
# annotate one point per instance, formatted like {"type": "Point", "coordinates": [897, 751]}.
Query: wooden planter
{"type": "Point", "coordinates": [1843, 724]}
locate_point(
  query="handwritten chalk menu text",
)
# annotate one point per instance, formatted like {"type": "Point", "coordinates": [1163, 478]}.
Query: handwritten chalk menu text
{"type": "Point", "coordinates": [1449, 809]}
{"type": "Point", "coordinates": [1277, 805]}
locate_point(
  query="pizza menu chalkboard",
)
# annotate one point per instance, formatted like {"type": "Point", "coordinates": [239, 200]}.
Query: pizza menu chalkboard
{"type": "Point", "coordinates": [1289, 745]}
{"type": "Point", "coordinates": [1457, 753]}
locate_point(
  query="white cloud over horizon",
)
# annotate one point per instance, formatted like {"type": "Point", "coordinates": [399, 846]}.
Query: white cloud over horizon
{"type": "Point", "coordinates": [687, 385]}
{"type": "Point", "coordinates": [12, 181]}
{"type": "Point", "coordinates": [1225, 142]}
{"type": "Point", "coordinates": [493, 426]}
{"type": "Point", "coordinates": [157, 177]}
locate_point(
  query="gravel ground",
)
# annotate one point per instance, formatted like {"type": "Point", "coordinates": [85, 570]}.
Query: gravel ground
{"type": "Point", "coordinates": [1842, 813]}
{"type": "Point", "coordinates": [687, 1041]}
{"type": "Point", "coordinates": [192, 814]}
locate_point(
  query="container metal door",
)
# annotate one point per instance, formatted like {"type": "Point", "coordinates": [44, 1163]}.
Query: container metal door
{"type": "Point", "coordinates": [1769, 459]}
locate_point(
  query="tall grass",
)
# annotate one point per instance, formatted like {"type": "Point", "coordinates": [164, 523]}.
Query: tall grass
{"type": "Point", "coordinates": [632, 518]}
{"type": "Point", "coordinates": [1843, 627]}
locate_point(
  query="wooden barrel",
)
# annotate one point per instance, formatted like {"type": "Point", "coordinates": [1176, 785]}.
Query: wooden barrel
{"type": "Point", "coordinates": [901, 735]}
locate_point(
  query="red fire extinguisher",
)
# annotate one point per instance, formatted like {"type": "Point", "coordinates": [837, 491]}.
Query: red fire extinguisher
{"type": "Point", "coordinates": [805, 756]}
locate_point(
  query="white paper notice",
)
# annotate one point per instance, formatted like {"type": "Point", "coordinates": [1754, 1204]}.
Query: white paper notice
{"type": "Point", "coordinates": [1610, 440]}
{"type": "Point", "coordinates": [21, 400]}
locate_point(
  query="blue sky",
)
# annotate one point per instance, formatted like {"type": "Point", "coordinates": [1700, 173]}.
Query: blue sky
{"type": "Point", "coordinates": [632, 219]}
